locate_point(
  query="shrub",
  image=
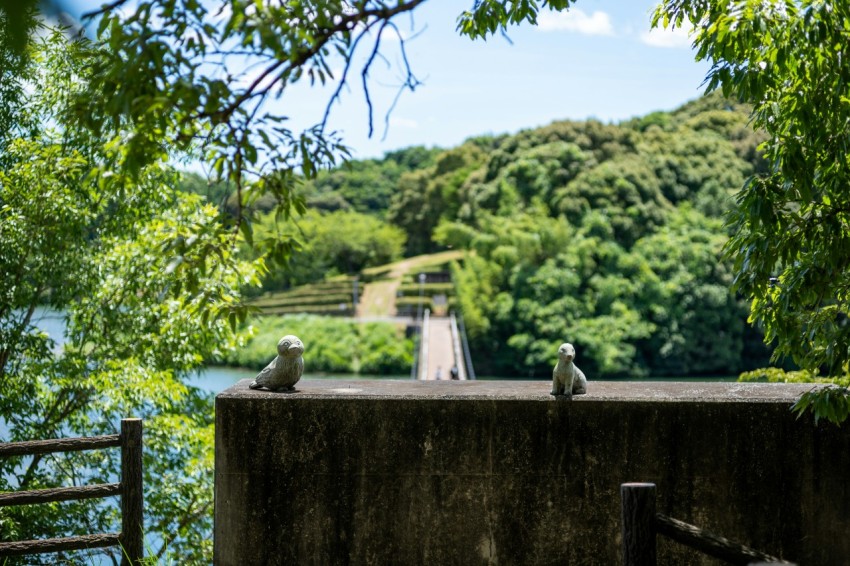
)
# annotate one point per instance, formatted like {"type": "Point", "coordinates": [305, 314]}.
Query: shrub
{"type": "Point", "coordinates": [332, 345]}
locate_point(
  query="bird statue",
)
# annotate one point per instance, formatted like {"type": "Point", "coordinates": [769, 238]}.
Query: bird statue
{"type": "Point", "coordinates": [567, 379]}
{"type": "Point", "coordinates": [285, 369]}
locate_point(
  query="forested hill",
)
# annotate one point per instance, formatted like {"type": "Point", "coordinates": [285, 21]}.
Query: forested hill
{"type": "Point", "coordinates": [605, 235]}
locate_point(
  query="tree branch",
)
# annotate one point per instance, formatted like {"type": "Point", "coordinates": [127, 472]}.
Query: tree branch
{"type": "Point", "coordinates": [103, 9]}
{"type": "Point", "coordinates": [364, 74]}
{"type": "Point", "coordinates": [343, 79]}
{"type": "Point", "coordinates": [346, 22]}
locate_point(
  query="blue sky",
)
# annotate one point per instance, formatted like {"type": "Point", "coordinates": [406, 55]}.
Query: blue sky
{"type": "Point", "coordinates": [598, 60]}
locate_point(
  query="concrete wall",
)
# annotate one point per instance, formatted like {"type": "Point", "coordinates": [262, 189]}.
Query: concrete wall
{"type": "Point", "coordinates": [405, 472]}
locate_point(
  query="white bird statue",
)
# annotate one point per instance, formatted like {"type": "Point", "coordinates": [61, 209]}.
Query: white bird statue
{"type": "Point", "coordinates": [285, 369]}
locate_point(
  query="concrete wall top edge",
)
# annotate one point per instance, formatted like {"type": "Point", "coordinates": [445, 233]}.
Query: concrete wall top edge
{"type": "Point", "coordinates": [646, 391]}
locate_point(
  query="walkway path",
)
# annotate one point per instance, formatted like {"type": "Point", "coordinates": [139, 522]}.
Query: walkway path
{"type": "Point", "coordinates": [440, 355]}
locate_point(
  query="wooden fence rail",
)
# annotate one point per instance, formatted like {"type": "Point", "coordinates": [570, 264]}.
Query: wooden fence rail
{"type": "Point", "coordinates": [130, 489]}
{"type": "Point", "coordinates": [641, 524]}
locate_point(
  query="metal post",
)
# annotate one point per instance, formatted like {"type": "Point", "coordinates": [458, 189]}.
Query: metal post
{"type": "Point", "coordinates": [638, 523]}
{"type": "Point", "coordinates": [132, 499]}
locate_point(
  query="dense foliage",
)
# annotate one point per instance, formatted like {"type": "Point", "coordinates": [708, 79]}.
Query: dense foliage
{"type": "Point", "coordinates": [107, 251]}
{"type": "Point", "coordinates": [606, 235]}
{"type": "Point", "coordinates": [332, 345]}
{"type": "Point", "coordinates": [365, 186]}
{"type": "Point", "coordinates": [328, 244]}
{"type": "Point", "coordinates": [791, 230]}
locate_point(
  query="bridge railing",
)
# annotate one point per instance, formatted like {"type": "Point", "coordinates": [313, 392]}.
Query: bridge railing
{"type": "Point", "coordinates": [457, 352]}
{"type": "Point", "coordinates": [423, 346]}
{"type": "Point", "coordinates": [467, 357]}
{"type": "Point", "coordinates": [641, 524]}
{"type": "Point", "coordinates": [130, 490]}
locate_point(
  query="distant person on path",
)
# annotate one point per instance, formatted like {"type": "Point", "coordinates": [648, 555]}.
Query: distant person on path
{"type": "Point", "coordinates": [454, 372]}
{"type": "Point", "coordinates": [439, 374]}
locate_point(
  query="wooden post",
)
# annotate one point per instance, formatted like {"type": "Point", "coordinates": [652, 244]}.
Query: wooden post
{"type": "Point", "coordinates": [638, 516]}
{"type": "Point", "coordinates": [132, 502]}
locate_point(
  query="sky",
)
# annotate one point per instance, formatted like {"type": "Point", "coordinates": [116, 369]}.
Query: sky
{"type": "Point", "coordinates": [599, 60]}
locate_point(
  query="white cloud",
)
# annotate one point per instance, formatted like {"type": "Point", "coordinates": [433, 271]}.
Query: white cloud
{"type": "Point", "coordinates": [575, 20]}
{"type": "Point", "coordinates": [678, 38]}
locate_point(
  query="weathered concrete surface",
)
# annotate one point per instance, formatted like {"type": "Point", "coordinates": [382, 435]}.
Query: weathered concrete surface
{"type": "Point", "coordinates": [377, 472]}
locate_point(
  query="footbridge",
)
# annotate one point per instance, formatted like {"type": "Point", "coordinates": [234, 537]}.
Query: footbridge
{"type": "Point", "coordinates": [442, 351]}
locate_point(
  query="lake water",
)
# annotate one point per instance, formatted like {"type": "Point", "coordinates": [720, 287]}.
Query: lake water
{"type": "Point", "coordinates": [52, 322]}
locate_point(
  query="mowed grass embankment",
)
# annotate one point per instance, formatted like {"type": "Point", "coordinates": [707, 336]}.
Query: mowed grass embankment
{"type": "Point", "coordinates": [383, 291]}
{"type": "Point", "coordinates": [333, 297]}
{"type": "Point", "coordinates": [379, 296]}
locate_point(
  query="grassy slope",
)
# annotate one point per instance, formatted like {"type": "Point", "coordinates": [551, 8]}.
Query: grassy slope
{"type": "Point", "coordinates": [378, 297]}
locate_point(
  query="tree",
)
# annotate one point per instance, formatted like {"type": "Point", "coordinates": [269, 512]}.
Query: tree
{"type": "Point", "coordinates": [791, 225]}
{"type": "Point", "coordinates": [365, 186]}
{"type": "Point", "coordinates": [700, 324]}
{"type": "Point", "coordinates": [330, 244]}
{"type": "Point", "coordinates": [214, 193]}
{"type": "Point", "coordinates": [109, 251]}
{"type": "Point", "coordinates": [206, 93]}
{"type": "Point", "coordinates": [625, 189]}
{"type": "Point", "coordinates": [609, 237]}
{"type": "Point", "coordinates": [194, 95]}
{"type": "Point", "coordinates": [424, 196]}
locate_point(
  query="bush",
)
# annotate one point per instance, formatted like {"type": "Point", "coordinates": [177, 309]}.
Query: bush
{"type": "Point", "coordinates": [332, 297]}
{"type": "Point", "coordinates": [340, 309]}
{"type": "Point", "coordinates": [337, 242]}
{"type": "Point", "coordinates": [302, 301]}
{"type": "Point", "coordinates": [428, 289]}
{"type": "Point", "coordinates": [331, 345]}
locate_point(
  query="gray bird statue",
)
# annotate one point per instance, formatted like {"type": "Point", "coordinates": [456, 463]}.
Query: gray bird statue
{"type": "Point", "coordinates": [285, 370]}
{"type": "Point", "coordinates": [567, 379]}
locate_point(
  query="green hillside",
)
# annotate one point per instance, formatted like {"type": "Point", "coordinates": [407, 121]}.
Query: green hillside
{"type": "Point", "coordinates": [609, 236]}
